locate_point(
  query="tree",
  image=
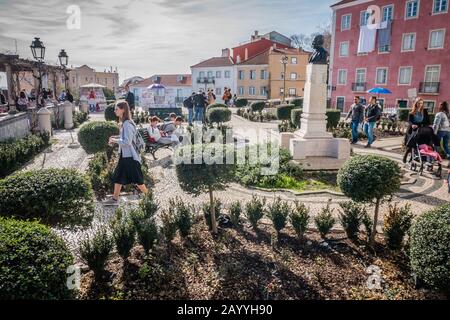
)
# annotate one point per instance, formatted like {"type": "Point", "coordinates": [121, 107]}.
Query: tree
{"type": "Point", "coordinates": [304, 41]}
{"type": "Point", "coordinates": [205, 168]}
{"type": "Point", "coordinates": [370, 178]}
{"type": "Point", "coordinates": [109, 94]}
{"type": "Point", "coordinates": [301, 40]}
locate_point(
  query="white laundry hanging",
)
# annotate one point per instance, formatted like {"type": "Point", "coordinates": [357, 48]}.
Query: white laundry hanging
{"type": "Point", "coordinates": [367, 38]}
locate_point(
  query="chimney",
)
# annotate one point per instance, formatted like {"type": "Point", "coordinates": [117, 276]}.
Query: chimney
{"type": "Point", "coordinates": [225, 53]}
{"type": "Point", "coordinates": [246, 54]}
{"type": "Point", "coordinates": [255, 36]}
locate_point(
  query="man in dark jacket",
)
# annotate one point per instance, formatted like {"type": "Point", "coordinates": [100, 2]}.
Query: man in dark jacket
{"type": "Point", "coordinates": [129, 97]}
{"type": "Point", "coordinates": [189, 105]}
{"type": "Point", "coordinates": [357, 114]}
{"type": "Point", "coordinates": [200, 102]}
{"type": "Point", "coordinates": [371, 116]}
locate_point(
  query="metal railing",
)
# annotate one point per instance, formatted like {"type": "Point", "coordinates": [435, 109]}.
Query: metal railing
{"type": "Point", "coordinates": [429, 87]}
{"type": "Point", "coordinates": [206, 80]}
{"type": "Point", "coordinates": [359, 86]}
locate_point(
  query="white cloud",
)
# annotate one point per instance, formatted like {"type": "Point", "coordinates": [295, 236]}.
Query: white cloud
{"type": "Point", "coordinates": [152, 36]}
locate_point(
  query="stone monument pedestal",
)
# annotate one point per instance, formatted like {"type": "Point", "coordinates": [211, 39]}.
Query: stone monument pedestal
{"type": "Point", "coordinates": [312, 146]}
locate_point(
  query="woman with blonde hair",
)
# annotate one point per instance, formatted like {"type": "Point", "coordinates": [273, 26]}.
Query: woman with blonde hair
{"type": "Point", "coordinates": [128, 170]}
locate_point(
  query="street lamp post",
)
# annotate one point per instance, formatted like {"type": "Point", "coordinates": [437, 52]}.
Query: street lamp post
{"type": "Point", "coordinates": [64, 61]}
{"type": "Point", "coordinates": [38, 50]}
{"type": "Point", "coordinates": [284, 60]}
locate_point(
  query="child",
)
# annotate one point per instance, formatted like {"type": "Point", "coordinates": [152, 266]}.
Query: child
{"type": "Point", "coordinates": [153, 131]}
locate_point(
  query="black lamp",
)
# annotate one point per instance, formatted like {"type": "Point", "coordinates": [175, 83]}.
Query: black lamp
{"type": "Point", "coordinates": [38, 49]}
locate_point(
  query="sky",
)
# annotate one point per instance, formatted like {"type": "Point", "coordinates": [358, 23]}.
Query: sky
{"type": "Point", "coordinates": [146, 37]}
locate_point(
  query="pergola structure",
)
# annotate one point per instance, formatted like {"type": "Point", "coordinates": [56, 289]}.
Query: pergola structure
{"type": "Point", "coordinates": [13, 65]}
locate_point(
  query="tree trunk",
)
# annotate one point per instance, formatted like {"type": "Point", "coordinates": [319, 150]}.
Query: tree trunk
{"type": "Point", "coordinates": [213, 212]}
{"type": "Point", "coordinates": [375, 222]}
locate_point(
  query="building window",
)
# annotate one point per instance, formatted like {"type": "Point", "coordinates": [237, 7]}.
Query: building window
{"type": "Point", "coordinates": [381, 102]}
{"type": "Point", "coordinates": [263, 74]}
{"type": "Point", "coordinates": [436, 39]}
{"type": "Point", "coordinates": [293, 76]}
{"type": "Point", "coordinates": [218, 91]}
{"type": "Point", "coordinates": [440, 6]}
{"type": "Point", "coordinates": [364, 20]}
{"type": "Point", "coordinates": [343, 49]}
{"type": "Point", "coordinates": [241, 91]}
{"type": "Point", "coordinates": [292, 91]}
{"type": "Point", "coordinates": [263, 91]}
{"type": "Point", "coordinates": [227, 74]}
{"type": "Point", "coordinates": [408, 42]}
{"type": "Point", "coordinates": [429, 105]}
{"type": "Point", "coordinates": [432, 75]}
{"type": "Point", "coordinates": [294, 60]}
{"type": "Point", "coordinates": [404, 75]}
{"type": "Point", "coordinates": [210, 74]}
{"type": "Point", "coordinates": [412, 9]}
{"type": "Point", "coordinates": [251, 91]}
{"type": "Point", "coordinates": [252, 74]}
{"type": "Point", "coordinates": [342, 77]}
{"type": "Point", "coordinates": [201, 74]}
{"type": "Point", "coordinates": [218, 74]}
{"type": "Point", "coordinates": [340, 103]}
{"type": "Point", "coordinates": [360, 76]}
{"type": "Point", "coordinates": [281, 91]}
{"type": "Point", "coordinates": [346, 21]}
{"type": "Point", "coordinates": [388, 13]}
{"type": "Point", "coordinates": [381, 78]}
{"type": "Point", "coordinates": [241, 74]}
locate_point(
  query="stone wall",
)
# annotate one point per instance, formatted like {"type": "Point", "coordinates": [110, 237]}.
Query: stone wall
{"type": "Point", "coordinates": [14, 126]}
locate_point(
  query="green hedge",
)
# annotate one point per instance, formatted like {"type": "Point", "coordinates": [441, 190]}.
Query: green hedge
{"type": "Point", "coordinates": [110, 114]}
{"type": "Point", "coordinates": [217, 105]}
{"type": "Point", "coordinates": [333, 118]}
{"type": "Point", "coordinates": [403, 114]}
{"type": "Point", "coordinates": [296, 117]}
{"type": "Point", "coordinates": [298, 102]}
{"type": "Point", "coordinates": [430, 247]}
{"type": "Point", "coordinates": [94, 136]}
{"type": "Point", "coordinates": [55, 196]}
{"type": "Point", "coordinates": [258, 106]}
{"type": "Point", "coordinates": [33, 262]}
{"type": "Point", "coordinates": [13, 154]}
{"type": "Point", "coordinates": [218, 115]}
{"type": "Point", "coordinates": [241, 102]}
{"type": "Point", "coordinates": [284, 111]}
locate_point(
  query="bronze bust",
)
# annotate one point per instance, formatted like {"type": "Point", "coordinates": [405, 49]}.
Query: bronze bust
{"type": "Point", "coordinates": [320, 55]}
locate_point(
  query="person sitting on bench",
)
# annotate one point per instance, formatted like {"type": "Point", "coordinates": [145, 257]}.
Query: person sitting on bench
{"type": "Point", "coordinates": [153, 131]}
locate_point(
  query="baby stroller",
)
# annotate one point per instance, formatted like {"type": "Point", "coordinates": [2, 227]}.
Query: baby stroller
{"type": "Point", "coordinates": [424, 156]}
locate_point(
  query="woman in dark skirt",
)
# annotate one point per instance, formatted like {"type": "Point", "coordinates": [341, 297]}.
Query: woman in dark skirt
{"type": "Point", "coordinates": [128, 170]}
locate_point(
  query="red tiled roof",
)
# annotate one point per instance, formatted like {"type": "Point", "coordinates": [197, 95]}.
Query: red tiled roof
{"type": "Point", "coordinates": [261, 58]}
{"type": "Point", "coordinates": [168, 80]}
{"type": "Point", "coordinates": [215, 62]}
{"type": "Point", "coordinates": [342, 2]}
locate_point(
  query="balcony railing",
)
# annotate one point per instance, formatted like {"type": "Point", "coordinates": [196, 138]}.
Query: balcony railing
{"type": "Point", "coordinates": [206, 80]}
{"type": "Point", "coordinates": [429, 87]}
{"type": "Point", "coordinates": [359, 86]}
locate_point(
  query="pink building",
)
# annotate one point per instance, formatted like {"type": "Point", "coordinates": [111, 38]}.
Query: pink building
{"type": "Point", "coordinates": [406, 50]}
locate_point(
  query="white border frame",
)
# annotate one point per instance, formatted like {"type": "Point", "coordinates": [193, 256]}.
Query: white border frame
{"type": "Point", "coordinates": [387, 76]}
{"type": "Point", "coordinates": [410, 78]}
{"type": "Point", "coordinates": [343, 97]}
{"type": "Point", "coordinates": [443, 39]}
{"type": "Point", "coordinates": [403, 39]}
{"type": "Point", "coordinates": [350, 23]}
{"type": "Point", "coordinates": [393, 11]}
{"type": "Point", "coordinates": [365, 74]}
{"type": "Point", "coordinates": [406, 10]}
{"type": "Point", "coordinates": [435, 105]}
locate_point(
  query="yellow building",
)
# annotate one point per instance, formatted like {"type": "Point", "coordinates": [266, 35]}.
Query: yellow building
{"type": "Point", "coordinates": [262, 76]}
{"type": "Point", "coordinates": [85, 75]}
{"type": "Point", "coordinates": [297, 59]}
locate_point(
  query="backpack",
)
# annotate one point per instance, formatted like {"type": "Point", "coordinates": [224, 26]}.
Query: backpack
{"type": "Point", "coordinates": [138, 141]}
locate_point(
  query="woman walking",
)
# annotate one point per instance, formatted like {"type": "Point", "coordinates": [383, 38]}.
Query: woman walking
{"type": "Point", "coordinates": [418, 118]}
{"type": "Point", "coordinates": [441, 126]}
{"type": "Point", "coordinates": [128, 170]}
{"type": "Point", "coordinates": [371, 116]}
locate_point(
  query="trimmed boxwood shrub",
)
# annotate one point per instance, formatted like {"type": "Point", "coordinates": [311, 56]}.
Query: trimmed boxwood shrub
{"type": "Point", "coordinates": [217, 105]}
{"type": "Point", "coordinates": [430, 247]}
{"type": "Point", "coordinates": [367, 178]}
{"type": "Point", "coordinates": [284, 111]}
{"type": "Point", "coordinates": [241, 102]}
{"type": "Point", "coordinates": [258, 106]}
{"type": "Point", "coordinates": [33, 262]}
{"type": "Point", "coordinates": [14, 154]}
{"type": "Point", "coordinates": [296, 117]}
{"type": "Point", "coordinates": [94, 136]}
{"type": "Point", "coordinates": [298, 102]}
{"type": "Point", "coordinates": [55, 196]}
{"type": "Point", "coordinates": [110, 115]}
{"type": "Point", "coordinates": [333, 118]}
{"type": "Point", "coordinates": [218, 115]}
{"type": "Point", "coordinates": [403, 114]}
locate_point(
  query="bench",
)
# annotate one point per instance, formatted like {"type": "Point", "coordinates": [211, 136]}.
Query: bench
{"type": "Point", "coordinates": [152, 147]}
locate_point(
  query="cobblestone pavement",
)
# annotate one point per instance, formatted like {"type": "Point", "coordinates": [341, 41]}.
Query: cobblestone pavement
{"type": "Point", "coordinates": [423, 193]}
